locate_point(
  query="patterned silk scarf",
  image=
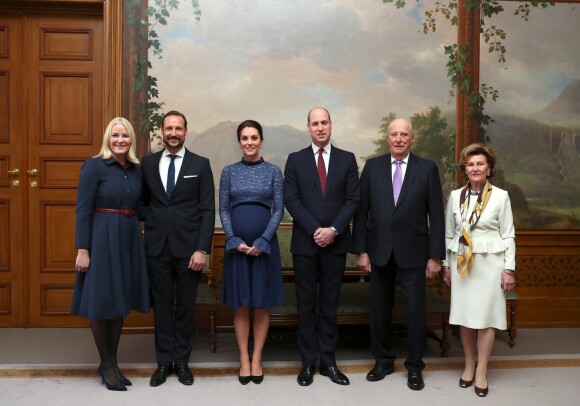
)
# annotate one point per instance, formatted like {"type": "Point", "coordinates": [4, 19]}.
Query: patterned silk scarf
{"type": "Point", "coordinates": [465, 255]}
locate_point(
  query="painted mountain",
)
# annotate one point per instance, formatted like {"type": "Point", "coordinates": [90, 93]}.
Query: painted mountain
{"type": "Point", "coordinates": [219, 143]}
{"type": "Point", "coordinates": [565, 109]}
{"type": "Point", "coordinates": [539, 162]}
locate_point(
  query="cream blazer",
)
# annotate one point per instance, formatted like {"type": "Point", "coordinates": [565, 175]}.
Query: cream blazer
{"type": "Point", "coordinates": [493, 233]}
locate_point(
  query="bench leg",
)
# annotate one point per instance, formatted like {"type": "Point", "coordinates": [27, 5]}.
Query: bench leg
{"type": "Point", "coordinates": [444, 343]}
{"type": "Point", "coordinates": [512, 332]}
{"type": "Point", "coordinates": [212, 329]}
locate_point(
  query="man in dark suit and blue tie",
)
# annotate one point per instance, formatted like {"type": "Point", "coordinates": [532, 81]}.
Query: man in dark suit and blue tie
{"type": "Point", "coordinates": [321, 193]}
{"type": "Point", "coordinates": [178, 194]}
{"type": "Point", "coordinates": [399, 231]}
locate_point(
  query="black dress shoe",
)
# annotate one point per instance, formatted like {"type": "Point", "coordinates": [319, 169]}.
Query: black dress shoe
{"type": "Point", "coordinates": [160, 375]}
{"type": "Point", "coordinates": [415, 380]}
{"type": "Point", "coordinates": [335, 375]}
{"type": "Point", "coordinates": [305, 376]}
{"type": "Point", "coordinates": [184, 375]}
{"type": "Point", "coordinates": [379, 372]}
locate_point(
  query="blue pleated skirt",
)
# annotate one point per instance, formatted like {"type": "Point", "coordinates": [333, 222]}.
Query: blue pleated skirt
{"type": "Point", "coordinates": [249, 280]}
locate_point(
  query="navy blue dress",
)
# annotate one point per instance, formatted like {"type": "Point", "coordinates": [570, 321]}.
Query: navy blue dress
{"type": "Point", "coordinates": [251, 207]}
{"type": "Point", "coordinates": [116, 281]}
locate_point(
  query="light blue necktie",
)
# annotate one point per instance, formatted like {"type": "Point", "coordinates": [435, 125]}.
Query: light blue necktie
{"type": "Point", "coordinates": [397, 180]}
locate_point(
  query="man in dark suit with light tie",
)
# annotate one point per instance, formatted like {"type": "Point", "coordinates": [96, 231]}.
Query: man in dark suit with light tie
{"type": "Point", "coordinates": [399, 231]}
{"type": "Point", "coordinates": [178, 194]}
{"type": "Point", "coordinates": [321, 193]}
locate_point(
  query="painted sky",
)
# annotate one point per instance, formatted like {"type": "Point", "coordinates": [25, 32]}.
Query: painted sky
{"type": "Point", "coordinates": [271, 60]}
{"type": "Point", "coordinates": [543, 57]}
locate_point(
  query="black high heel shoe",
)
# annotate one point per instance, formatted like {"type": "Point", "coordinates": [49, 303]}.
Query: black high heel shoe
{"type": "Point", "coordinates": [482, 392]}
{"type": "Point", "coordinates": [125, 381]}
{"type": "Point", "coordinates": [257, 379]}
{"type": "Point", "coordinates": [466, 384]}
{"type": "Point", "coordinates": [111, 386]}
{"type": "Point", "coordinates": [244, 380]}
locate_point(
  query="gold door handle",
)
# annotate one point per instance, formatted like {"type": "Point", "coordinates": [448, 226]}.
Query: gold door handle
{"type": "Point", "coordinates": [33, 172]}
{"type": "Point", "coordinates": [14, 172]}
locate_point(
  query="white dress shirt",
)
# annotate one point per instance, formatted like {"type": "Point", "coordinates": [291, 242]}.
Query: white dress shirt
{"type": "Point", "coordinates": [164, 165]}
{"type": "Point", "coordinates": [325, 155]}
{"type": "Point", "coordinates": [403, 167]}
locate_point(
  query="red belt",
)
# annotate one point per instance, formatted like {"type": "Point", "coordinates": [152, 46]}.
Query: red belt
{"type": "Point", "coordinates": [124, 212]}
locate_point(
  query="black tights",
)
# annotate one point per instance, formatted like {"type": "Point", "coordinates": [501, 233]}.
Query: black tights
{"type": "Point", "coordinates": [107, 334]}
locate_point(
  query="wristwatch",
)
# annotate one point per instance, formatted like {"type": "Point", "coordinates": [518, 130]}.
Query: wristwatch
{"type": "Point", "coordinates": [334, 231]}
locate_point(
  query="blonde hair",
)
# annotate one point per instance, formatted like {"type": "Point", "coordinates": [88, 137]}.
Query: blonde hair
{"type": "Point", "coordinates": [106, 152]}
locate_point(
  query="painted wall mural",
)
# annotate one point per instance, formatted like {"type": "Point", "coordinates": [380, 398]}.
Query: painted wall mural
{"type": "Point", "coordinates": [536, 132]}
{"type": "Point", "coordinates": [365, 61]}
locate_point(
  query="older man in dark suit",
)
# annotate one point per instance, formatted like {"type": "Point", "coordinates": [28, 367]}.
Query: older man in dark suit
{"type": "Point", "coordinates": [399, 231]}
{"type": "Point", "coordinates": [321, 192]}
{"type": "Point", "coordinates": [178, 194]}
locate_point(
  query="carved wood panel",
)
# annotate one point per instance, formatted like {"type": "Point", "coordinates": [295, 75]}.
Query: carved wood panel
{"type": "Point", "coordinates": [66, 110]}
{"type": "Point", "coordinates": [4, 106]}
{"type": "Point", "coordinates": [58, 223]}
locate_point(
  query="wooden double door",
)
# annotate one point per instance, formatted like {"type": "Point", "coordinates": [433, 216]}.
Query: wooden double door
{"type": "Point", "coordinates": [51, 120]}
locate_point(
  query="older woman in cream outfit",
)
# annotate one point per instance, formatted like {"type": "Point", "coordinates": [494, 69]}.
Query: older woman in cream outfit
{"type": "Point", "coordinates": [480, 263]}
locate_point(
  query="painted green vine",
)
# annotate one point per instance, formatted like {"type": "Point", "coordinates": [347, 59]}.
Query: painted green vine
{"type": "Point", "coordinates": [457, 54]}
{"type": "Point", "coordinates": [157, 13]}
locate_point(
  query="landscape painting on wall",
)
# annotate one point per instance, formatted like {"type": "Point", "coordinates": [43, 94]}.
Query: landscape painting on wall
{"type": "Point", "coordinates": [536, 132]}
{"type": "Point", "coordinates": [366, 62]}
{"type": "Point", "coordinates": [273, 60]}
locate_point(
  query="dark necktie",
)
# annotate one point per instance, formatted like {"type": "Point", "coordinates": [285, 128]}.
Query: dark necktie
{"type": "Point", "coordinates": [171, 176]}
{"type": "Point", "coordinates": [397, 180]}
{"type": "Point", "coordinates": [321, 170]}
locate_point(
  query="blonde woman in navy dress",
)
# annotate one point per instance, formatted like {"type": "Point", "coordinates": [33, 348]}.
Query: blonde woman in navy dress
{"type": "Point", "coordinates": [251, 207]}
{"type": "Point", "coordinates": [480, 264]}
{"type": "Point", "coordinates": [111, 263]}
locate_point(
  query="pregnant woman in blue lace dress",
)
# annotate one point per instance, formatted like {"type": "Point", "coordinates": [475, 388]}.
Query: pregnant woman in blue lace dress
{"type": "Point", "coordinates": [251, 208]}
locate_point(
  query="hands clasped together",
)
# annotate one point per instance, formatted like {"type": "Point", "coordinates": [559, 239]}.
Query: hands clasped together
{"type": "Point", "coordinates": [245, 249]}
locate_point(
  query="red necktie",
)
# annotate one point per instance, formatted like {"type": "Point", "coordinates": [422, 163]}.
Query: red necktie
{"type": "Point", "coordinates": [321, 170]}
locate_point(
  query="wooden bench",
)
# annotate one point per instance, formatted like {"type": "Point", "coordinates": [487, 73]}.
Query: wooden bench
{"type": "Point", "coordinates": [354, 303]}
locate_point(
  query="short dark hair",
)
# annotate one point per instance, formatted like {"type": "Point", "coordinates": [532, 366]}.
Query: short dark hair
{"type": "Point", "coordinates": [314, 108]}
{"type": "Point", "coordinates": [477, 149]}
{"type": "Point", "coordinates": [173, 113]}
{"type": "Point", "coordinates": [250, 124]}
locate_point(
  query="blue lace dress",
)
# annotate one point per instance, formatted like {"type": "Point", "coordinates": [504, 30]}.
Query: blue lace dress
{"type": "Point", "coordinates": [251, 207]}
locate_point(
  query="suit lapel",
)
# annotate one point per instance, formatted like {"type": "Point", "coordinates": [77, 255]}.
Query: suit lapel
{"type": "Point", "coordinates": [409, 177]}
{"type": "Point", "coordinates": [156, 160]}
{"type": "Point", "coordinates": [331, 173]}
{"type": "Point", "coordinates": [387, 168]}
{"type": "Point", "coordinates": [187, 158]}
{"type": "Point", "coordinates": [310, 163]}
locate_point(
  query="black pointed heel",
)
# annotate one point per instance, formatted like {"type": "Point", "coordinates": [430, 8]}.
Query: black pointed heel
{"type": "Point", "coordinates": [119, 387]}
{"type": "Point", "coordinates": [244, 380]}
